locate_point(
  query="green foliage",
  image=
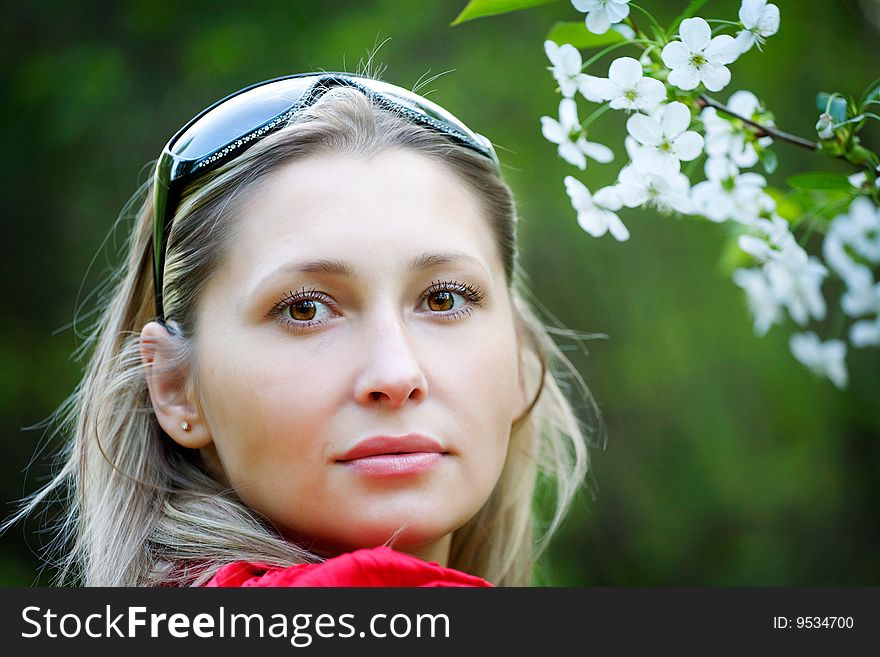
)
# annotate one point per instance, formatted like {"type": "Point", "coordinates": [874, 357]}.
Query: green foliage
{"type": "Point", "coordinates": [819, 181]}
{"type": "Point", "coordinates": [690, 10]}
{"type": "Point", "coordinates": [577, 34]}
{"type": "Point", "coordinates": [482, 8]}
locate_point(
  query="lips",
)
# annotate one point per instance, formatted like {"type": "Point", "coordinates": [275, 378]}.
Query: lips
{"type": "Point", "coordinates": [388, 456]}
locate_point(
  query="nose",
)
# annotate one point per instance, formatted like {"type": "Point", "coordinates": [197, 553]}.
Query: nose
{"type": "Point", "coordinates": [392, 373]}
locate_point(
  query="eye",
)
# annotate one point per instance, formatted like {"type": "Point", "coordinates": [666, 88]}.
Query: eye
{"type": "Point", "coordinates": [303, 309]}
{"type": "Point", "coordinates": [451, 300]}
{"type": "Point", "coordinates": [442, 301]}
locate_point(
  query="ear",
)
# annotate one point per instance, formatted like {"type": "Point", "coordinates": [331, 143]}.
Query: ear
{"type": "Point", "coordinates": [167, 381]}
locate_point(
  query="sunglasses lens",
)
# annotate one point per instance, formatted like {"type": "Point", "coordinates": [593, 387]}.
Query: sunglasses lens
{"type": "Point", "coordinates": [239, 115]}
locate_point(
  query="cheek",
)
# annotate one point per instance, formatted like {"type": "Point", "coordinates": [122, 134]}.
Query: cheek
{"type": "Point", "coordinates": [483, 388]}
{"type": "Point", "coordinates": [266, 410]}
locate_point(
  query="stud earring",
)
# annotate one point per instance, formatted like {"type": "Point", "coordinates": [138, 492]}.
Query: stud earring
{"type": "Point", "coordinates": [185, 426]}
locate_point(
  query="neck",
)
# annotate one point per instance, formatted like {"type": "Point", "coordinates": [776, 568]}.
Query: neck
{"type": "Point", "coordinates": [436, 551]}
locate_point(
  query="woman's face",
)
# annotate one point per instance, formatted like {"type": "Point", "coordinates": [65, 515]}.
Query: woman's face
{"type": "Point", "coordinates": [356, 357]}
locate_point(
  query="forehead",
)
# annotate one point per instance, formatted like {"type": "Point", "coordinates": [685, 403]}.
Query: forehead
{"type": "Point", "coordinates": [382, 211]}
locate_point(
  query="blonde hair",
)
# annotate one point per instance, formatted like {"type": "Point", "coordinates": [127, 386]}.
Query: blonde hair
{"type": "Point", "coordinates": [140, 509]}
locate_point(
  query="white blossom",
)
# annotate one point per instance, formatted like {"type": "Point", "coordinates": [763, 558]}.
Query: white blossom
{"type": "Point", "coordinates": [596, 212]}
{"type": "Point", "coordinates": [797, 282]}
{"type": "Point", "coordinates": [727, 137]}
{"type": "Point", "coordinates": [727, 194]}
{"type": "Point", "coordinates": [860, 228]}
{"type": "Point", "coordinates": [664, 191]}
{"type": "Point", "coordinates": [852, 238]}
{"type": "Point", "coordinates": [571, 138]}
{"type": "Point", "coordinates": [760, 21]}
{"type": "Point", "coordinates": [566, 66]}
{"type": "Point", "coordinates": [699, 58]}
{"type": "Point", "coordinates": [795, 277]}
{"type": "Point", "coordinates": [862, 297]}
{"type": "Point", "coordinates": [823, 358]}
{"type": "Point", "coordinates": [865, 332]}
{"type": "Point", "coordinates": [626, 87]}
{"type": "Point", "coordinates": [665, 137]}
{"type": "Point", "coordinates": [858, 179]}
{"type": "Point", "coordinates": [763, 303]}
{"type": "Point", "coordinates": [834, 251]}
{"type": "Point", "coordinates": [601, 14]}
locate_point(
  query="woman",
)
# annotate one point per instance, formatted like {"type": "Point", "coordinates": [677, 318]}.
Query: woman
{"type": "Point", "coordinates": [318, 345]}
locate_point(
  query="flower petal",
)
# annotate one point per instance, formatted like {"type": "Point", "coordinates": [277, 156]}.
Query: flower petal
{"type": "Point", "coordinates": [695, 33]}
{"type": "Point", "coordinates": [744, 41]}
{"type": "Point", "coordinates": [688, 146]}
{"type": "Point", "coordinates": [651, 93]}
{"type": "Point", "coordinates": [715, 77]}
{"type": "Point", "coordinates": [551, 49]}
{"type": "Point", "coordinates": [616, 228]}
{"type": "Point", "coordinates": [573, 155]}
{"type": "Point", "coordinates": [768, 23]}
{"type": "Point", "coordinates": [567, 86]}
{"type": "Point", "coordinates": [750, 12]}
{"type": "Point", "coordinates": [864, 333]}
{"type": "Point", "coordinates": [675, 54]}
{"type": "Point", "coordinates": [552, 131]}
{"type": "Point", "coordinates": [599, 152]}
{"type": "Point", "coordinates": [685, 78]}
{"type": "Point", "coordinates": [722, 50]}
{"type": "Point", "coordinates": [625, 71]}
{"type": "Point", "coordinates": [617, 11]}
{"type": "Point", "coordinates": [644, 129]}
{"type": "Point", "coordinates": [570, 59]}
{"type": "Point", "coordinates": [592, 222]}
{"type": "Point", "coordinates": [597, 90]}
{"type": "Point", "coordinates": [719, 168]}
{"type": "Point", "coordinates": [608, 198]}
{"type": "Point", "coordinates": [598, 21]}
{"type": "Point", "coordinates": [585, 5]}
{"type": "Point", "coordinates": [674, 119]}
{"type": "Point", "coordinates": [744, 103]}
{"type": "Point", "coordinates": [578, 192]}
{"type": "Point", "coordinates": [568, 117]}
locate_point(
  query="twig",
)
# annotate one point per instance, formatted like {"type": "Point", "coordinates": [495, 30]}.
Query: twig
{"type": "Point", "coordinates": [761, 130]}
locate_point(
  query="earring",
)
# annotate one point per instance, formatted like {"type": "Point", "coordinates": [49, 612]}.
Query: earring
{"type": "Point", "coordinates": [185, 426]}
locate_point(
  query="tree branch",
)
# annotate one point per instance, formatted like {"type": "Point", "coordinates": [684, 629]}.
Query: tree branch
{"type": "Point", "coordinates": [761, 130]}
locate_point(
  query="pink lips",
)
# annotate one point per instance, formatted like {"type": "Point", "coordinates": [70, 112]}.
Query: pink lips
{"type": "Point", "coordinates": [390, 455]}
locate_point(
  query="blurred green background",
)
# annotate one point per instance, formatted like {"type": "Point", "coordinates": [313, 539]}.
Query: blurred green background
{"type": "Point", "coordinates": [727, 463]}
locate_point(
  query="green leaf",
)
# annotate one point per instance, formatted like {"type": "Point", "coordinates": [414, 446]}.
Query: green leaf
{"type": "Point", "coordinates": [577, 34]}
{"type": "Point", "coordinates": [689, 11]}
{"type": "Point", "coordinates": [482, 8]}
{"type": "Point", "coordinates": [837, 107]}
{"type": "Point", "coordinates": [787, 205]}
{"type": "Point", "coordinates": [860, 155]}
{"type": "Point", "coordinates": [819, 181]}
{"type": "Point", "coordinates": [768, 160]}
{"type": "Point", "coordinates": [872, 92]}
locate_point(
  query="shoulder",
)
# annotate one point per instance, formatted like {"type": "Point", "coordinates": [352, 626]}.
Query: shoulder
{"type": "Point", "coordinates": [380, 566]}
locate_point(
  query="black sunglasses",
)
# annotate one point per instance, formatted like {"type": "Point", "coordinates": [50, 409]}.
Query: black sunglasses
{"type": "Point", "coordinates": [230, 126]}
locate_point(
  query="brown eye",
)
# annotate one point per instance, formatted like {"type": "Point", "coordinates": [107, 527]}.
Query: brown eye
{"type": "Point", "coordinates": [441, 301]}
{"type": "Point", "coordinates": [303, 310]}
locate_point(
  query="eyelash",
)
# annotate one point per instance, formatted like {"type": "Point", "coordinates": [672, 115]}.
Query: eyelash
{"type": "Point", "coordinates": [473, 294]}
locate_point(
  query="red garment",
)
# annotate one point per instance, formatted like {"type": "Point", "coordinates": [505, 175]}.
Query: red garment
{"type": "Point", "coordinates": [380, 566]}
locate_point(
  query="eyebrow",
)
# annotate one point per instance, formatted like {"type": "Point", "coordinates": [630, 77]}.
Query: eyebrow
{"type": "Point", "coordinates": [339, 267]}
